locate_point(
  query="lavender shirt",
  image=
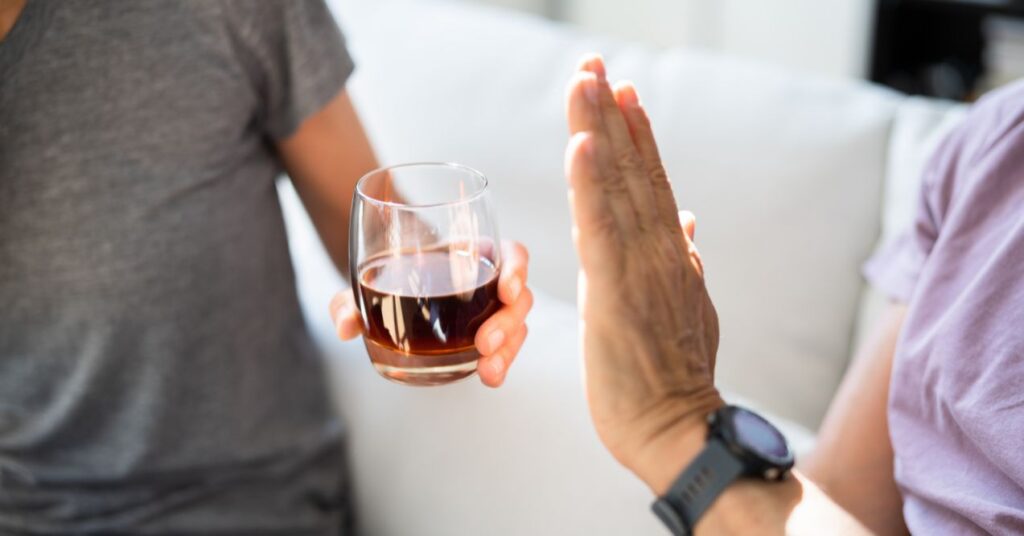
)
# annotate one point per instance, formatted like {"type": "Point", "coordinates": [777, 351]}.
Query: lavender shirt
{"type": "Point", "coordinates": [956, 403]}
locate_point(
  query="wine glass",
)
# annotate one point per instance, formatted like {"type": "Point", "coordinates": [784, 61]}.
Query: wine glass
{"type": "Point", "coordinates": [424, 255]}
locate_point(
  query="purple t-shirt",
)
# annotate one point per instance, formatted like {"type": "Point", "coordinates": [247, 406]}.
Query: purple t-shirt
{"type": "Point", "coordinates": [956, 402]}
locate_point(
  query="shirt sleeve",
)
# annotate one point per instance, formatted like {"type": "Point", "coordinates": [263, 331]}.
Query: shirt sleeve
{"type": "Point", "coordinates": [895, 266]}
{"type": "Point", "coordinates": [296, 56]}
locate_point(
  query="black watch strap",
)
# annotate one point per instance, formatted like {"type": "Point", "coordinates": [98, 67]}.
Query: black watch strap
{"type": "Point", "coordinates": [697, 487]}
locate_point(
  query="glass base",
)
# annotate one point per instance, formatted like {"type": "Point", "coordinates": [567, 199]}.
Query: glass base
{"type": "Point", "coordinates": [422, 369]}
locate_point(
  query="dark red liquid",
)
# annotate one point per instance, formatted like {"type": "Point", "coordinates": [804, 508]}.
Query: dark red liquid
{"type": "Point", "coordinates": [422, 311]}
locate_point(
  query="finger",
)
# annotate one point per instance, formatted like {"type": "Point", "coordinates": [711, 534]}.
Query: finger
{"type": "Point", "coordinates": [592, 62]}
{"type": "Point", "coordinates": [581, 95]}
{"type": "Point", "coordinates": [493, 369]}
{"type": "Point", "coordinates": [581, 104]}
{"type": "Point", "coordinates": [688, 222]}
{"type": "Point", "coordinates": [643, 139]}
{"type": "Point", "coordinates": [595, 230]}
{"type": "Point", "coordinates": [584, 114]}
{"type": "Point", "coordinates": [345, 314]}
{"type": "Point", "coordinates": [497, 329]}
{"type": "Point", "coordinates": [512, 280]}
{"type": "Point", "coordinates": [626, 156]}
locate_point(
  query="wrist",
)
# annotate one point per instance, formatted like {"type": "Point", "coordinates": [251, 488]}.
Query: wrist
{"type": "Point", "coordinates": [667, 453]}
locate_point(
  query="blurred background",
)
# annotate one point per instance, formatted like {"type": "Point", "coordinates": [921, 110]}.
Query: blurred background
{"type": "Point", "coordinates": [954, 49]}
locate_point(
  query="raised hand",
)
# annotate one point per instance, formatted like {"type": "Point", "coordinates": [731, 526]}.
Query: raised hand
{"type": "Point", "coordinates": [649, 329]}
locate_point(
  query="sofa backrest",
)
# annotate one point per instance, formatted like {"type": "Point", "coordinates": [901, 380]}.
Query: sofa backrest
{"type": "Point", "coordinates": [784, 171]}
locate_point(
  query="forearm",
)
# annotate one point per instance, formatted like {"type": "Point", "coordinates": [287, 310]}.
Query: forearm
{"type": "Point", "coordinates": [853, 458]}
{"type": "Point", "coordinates": [796, 506]}
{"type": "Point", "coordinates": [331, 220]}
{"type": "Point", "coordinates": [849, 485]}
{"type": "Point", "coordinates": [325, 158]}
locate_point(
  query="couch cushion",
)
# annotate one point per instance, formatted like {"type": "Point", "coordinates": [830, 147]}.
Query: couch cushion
{"type": "Point", "coordinates": [783, 171]}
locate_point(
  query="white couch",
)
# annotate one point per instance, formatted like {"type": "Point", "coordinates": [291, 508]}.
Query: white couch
{"type": "Point", "coordinates": [794, 181]}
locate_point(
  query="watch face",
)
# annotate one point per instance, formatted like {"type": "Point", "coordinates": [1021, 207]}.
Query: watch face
{"type": "Point", "coordinates": [759, 435]}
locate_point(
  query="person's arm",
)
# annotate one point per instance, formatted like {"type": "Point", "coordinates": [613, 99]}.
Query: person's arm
{"type": "Point", "coordinates": [325, 158]}
{"type": "Point", "coordinates": [649, 329]}
{"type": "Point", "coordinates": [9, 11]}
{"type": "Point", "coordinates": [853, 457]}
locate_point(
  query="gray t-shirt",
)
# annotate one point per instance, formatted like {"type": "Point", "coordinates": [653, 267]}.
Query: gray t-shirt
{"type": "Point", "coordinates": [155, 372]}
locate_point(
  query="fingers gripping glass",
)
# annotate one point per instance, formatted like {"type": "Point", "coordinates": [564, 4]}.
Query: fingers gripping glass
{"type": "Point", "coordinates": [425, 256]}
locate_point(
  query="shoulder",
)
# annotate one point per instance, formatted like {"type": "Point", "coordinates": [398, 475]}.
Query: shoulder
{"type": "Point", "coordinates": [1007, 98]}
{"type": "Point", "coordinates": [995, 121]}
{"type": "Point", "coordinates": [992, 131]}
{"type": "Point", "coordinates": [266, 17]}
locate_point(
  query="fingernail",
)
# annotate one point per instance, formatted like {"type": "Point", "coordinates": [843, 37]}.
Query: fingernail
{"type": "Point", "coordinates": [339, 318]}
{"type": "Point", "coordinates": [590, 89]}
{"type": "Point", "coordinates": [497, 364]}
{"type": "Point", "coordinates": [495, 339]}
{"type": "Point", "coordinates": [515, 287]}
{"type": "Point", "coordinates": [629, 94]}
{"type": "Point", "coordinates": [597, 63]}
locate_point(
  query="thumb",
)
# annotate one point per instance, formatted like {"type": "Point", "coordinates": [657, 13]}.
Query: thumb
{"type": "Point", "coordinates": [345, 314]}
{"type": "Point", "coordinates": [688, 222]}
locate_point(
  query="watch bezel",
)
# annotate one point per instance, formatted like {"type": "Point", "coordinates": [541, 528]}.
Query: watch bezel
{"type": "Point", "coordinates": [722, 425]}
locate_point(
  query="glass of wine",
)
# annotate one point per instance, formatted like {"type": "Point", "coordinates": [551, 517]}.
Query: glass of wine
{"type": "Point", "coordinates": [425, 257]}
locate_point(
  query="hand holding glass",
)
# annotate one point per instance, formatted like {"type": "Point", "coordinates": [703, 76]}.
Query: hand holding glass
{"type": "Point", "coordinates": [425, 257]}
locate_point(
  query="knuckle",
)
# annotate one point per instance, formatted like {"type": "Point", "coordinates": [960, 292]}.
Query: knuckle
{"type": "Point", "coordinates": [698, 263]}
{"type": "Point", "coordinates": [604, 225]}
{"type": "Point", "coordinates": [608, 104]}
{"type": "Point", "coordinates": [524, 254]}
{"type": "Point", "coordinates": [642, 118]}
{"type": "Point", "coordinates": [527, 298]}
{"type": "Point", "coordinates": [517, 346]}
{"type": "Point", "coordinates": [495, 321]}
{"type": "Point", "coordinates": [614, 185]}
{"type": "Point", "coordinates": [600, 175]}
{"type": "Point", "coordinates": [627, 158]}
{"type": "Point", "coordinates": [659, 176]}
{"type": "Point", "coordinates": [664, 248]}
{"type": "Point", "coordinates": [671, 223]}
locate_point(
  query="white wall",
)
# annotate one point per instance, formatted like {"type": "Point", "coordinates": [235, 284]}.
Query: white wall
{"type": "Point", "coordinates": [828, 37]}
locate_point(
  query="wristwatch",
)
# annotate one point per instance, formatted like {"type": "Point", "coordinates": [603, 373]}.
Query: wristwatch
{"type": "Point", "coordinates": [740, 443]}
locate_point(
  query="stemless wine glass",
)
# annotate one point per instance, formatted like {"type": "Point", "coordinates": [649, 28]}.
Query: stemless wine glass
{"type": "Point", "coordinates": [425, 256]}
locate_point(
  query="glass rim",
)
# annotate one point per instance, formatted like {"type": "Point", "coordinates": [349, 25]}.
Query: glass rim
{"type": "Point", "coordinates": [450, 165]}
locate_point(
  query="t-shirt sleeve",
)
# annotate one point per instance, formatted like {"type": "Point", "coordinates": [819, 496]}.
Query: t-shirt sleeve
{"type": "Point", "coordinates": [895, 267]}
{"type": "Point", "coordinates": [296, 56]}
